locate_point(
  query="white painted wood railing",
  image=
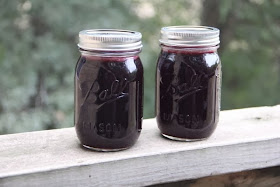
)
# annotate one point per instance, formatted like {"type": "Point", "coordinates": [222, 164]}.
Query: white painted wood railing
{"type": "Point", "coordinates": [245, 139]}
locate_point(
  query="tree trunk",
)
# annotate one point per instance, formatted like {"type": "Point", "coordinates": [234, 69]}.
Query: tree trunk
{"type": "Point", "coordinates": [211, 17]}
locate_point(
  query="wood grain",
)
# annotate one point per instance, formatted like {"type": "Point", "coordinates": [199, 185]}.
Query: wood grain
{"type": "Point", "coordinates": [245, 139]}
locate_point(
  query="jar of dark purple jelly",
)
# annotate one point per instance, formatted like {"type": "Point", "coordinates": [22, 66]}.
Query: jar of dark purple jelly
{"type": "Point", "coordinates": [108, 89]}
{"type": "Point", "coordinates": [188, 82]}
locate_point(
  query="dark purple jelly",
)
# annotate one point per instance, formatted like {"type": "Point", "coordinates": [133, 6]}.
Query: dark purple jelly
{"type": "Point", "coordinates": [188, 93]}
{"type": "Point", "coordinates": [108, 101]}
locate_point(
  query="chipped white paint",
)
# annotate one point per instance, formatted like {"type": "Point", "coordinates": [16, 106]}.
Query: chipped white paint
{"type": "Point", "coordinates": [245, 139]}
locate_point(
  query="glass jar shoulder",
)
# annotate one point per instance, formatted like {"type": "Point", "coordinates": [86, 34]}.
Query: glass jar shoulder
{"type": "Point", "coordinates": [121, 66]}
{"type": "Point", "coordinates": [208, 58]}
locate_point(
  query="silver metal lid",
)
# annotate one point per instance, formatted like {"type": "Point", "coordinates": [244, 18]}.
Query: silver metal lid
{"type": "Point", "coordinates": [110, 40]}
{"type": "Point", "coordinates": [190, 36]}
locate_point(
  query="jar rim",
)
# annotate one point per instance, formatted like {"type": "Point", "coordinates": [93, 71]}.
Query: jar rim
{"type": "Point", "coordinates": [110, 53]}
{"type": "Point", "coordinates": [192, 36]}
{"type": "Point", "coordinates": [186, 49]}
{"type": "Point", "coordinates": [110, 40]}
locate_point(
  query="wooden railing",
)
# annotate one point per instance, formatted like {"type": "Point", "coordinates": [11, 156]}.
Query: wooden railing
{"type": "Point", "coordinates": [245, 139]}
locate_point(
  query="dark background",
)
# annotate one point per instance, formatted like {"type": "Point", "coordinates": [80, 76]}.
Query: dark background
{"type": "Point", "coordinates": [38, 51]}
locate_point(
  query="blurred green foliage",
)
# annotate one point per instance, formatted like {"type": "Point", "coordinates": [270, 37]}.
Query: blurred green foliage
{"type": "Point", "coordinates": [38, 51]}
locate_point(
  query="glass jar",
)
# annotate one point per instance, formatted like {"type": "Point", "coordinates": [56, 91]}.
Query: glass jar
{"type": "Point", "coordinates": [188, 82]}
{"type": "Point", "coordinates": [108, 89]}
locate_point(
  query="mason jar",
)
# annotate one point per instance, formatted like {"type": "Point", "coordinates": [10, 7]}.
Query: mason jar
{"type": "Point", "coordinates": [109, 89]}
{"type": "Point", "coordinates": [188, 82]}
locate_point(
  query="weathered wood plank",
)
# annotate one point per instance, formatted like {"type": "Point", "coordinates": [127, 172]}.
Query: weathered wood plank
{"type": "Point", "coordinates": [268, 177]}
{"type": "Point", "coordinates": [245, 139]}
